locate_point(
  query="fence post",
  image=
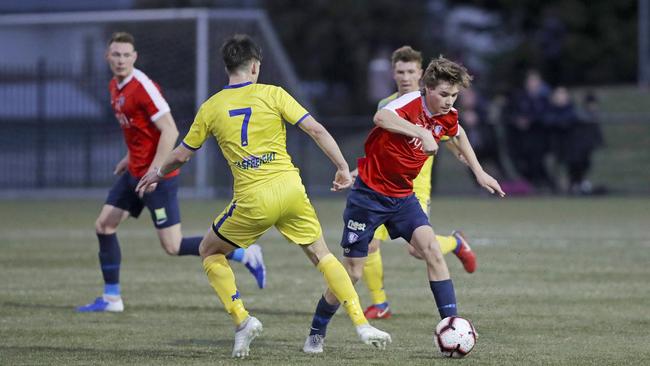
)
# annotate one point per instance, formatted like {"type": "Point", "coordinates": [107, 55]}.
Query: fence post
{"type": "Point", "coordinates": [41, 137]}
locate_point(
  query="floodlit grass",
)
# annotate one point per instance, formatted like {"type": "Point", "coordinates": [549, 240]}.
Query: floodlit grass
{"type": "Point", "coordinates": [559, 282]}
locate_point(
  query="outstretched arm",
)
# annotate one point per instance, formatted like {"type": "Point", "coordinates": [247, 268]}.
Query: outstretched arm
{"type": "Point", "coordinates": [484, 179]}
{"type": "Point", "coordinates": [179, 156]}
{"type": "Point", "coordinates": [329, 146]}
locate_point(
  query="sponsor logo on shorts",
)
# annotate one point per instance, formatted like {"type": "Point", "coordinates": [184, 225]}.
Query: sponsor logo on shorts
{"type": "Point", "coordinates": [161, 215]}
{"type": "Point", "coordinates": [352, 237]}
{"type": "Point", "coordinates": [356, 226]}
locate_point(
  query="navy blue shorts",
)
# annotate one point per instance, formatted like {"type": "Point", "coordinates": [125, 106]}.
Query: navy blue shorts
{"type": "Point", "coordinates": [162, 202]}
{"type": "Point", "coordinates": [367, 209]}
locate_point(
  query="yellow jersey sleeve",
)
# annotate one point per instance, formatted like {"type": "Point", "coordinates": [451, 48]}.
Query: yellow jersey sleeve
{"type": "Point", "coordinates": [198, 132]}
{"type": "Point", "coordinates": [289, 108]}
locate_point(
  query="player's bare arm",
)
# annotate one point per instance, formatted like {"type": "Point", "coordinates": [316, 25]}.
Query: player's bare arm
{"type": "Point", "coordinates": [122, 165]}
{"type": "Point", "coordinates": [484, 179]}
{"type": "Point", "coordinates": [326, 142]}
{"type": "Point", "coordinates": [390, 121]}
{"type": "Point", "coordinates": [454, 149]}
{"type": "Point", "coordinates": [168, 137]}
{"type": "Point", "coordinates": [179, 156]}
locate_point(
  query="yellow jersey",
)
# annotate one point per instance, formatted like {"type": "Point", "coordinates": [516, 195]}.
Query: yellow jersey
{"type": "Point", "coordinates": [247, 121]}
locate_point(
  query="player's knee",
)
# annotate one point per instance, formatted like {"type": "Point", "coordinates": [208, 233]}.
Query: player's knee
{"type": "Point", "coordinates": [414, 252]}
{"type": "Point", "coordinates": [103, 226]}
{"type": "Point", "coordinates": [355, 272]}
{"type": "Point", "coordinates": [430, 253]}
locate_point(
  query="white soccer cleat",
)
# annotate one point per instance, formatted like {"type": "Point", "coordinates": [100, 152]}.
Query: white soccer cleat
{"type": "Point", "coordinates": [244, 335]}
{"type": "Point", "coordinates": [314, 344]}
{"type": "Point", "coordinates": [373, 336]}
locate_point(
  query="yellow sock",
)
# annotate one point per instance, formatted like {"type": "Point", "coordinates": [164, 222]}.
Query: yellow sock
{"type": "Point", "coordinates": [447, 243]}
{"type": "Point", "coordinates": [339, 282]}
{"type": "Point", "coordinates": [222, 279]}
{"type": "Point", "coordinates": [373, 276]}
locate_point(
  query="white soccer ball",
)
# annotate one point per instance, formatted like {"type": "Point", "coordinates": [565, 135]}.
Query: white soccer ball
{"type": "Point", "coordinates": [455, 337]}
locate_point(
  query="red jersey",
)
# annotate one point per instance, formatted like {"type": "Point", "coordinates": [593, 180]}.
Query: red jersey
{"type": "Point", "coordinates": [393, 160]}
{"type": "Point", "coordinates": [138, 103]}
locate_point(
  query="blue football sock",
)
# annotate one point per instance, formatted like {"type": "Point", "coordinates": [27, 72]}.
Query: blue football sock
{"type": "Point", "coordinates": [112, 289]}
{"type": "Point", "coordinates": [190, 246]}
{"type": "Point", "coordinates": [459, 244]}
{"type": "Point", "coordinates": [109, 261]}
{"type": "Point", "coordinates": [322, 316]}
{"type": "Point", "coordinates": [236, 255]}
{"type": "Point", "coordinates": [382, 306]}
{"type": "Point", "coordinates": [443, 292]}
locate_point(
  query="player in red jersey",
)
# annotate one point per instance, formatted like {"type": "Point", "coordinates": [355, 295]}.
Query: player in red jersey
{"type": "Point", "coordinates": [407, 132]}
{"type": "Point", "coordinates": [150, 134]}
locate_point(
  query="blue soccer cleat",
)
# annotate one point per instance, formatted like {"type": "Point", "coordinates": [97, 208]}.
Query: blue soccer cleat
{"type": "Point", "coordinates": [254, 261]}
{"type": "Point", "coordinates": [102, 305]}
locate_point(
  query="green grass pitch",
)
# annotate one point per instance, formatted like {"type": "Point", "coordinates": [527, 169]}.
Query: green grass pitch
{"type": "Point", "coordinates": [559, 282]}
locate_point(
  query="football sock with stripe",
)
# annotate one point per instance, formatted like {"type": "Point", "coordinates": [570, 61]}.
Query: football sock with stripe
{"type": "Point", "coordinates": [110, 258]}
{"type": "Point", "coordinates": [322, 316]}
{"type": "Point", "coordinates": [190, 246]}
{"type": "Point", "coordinates": [373, 276]}
{"type": "Point", "coordinates": [443, 292]}
{"type": "Point", "coordinates": [222, 279]}
{"type": "Point", "coordinates": [339, 282]}
{"type": "Point", "coordinates": [447, 243]}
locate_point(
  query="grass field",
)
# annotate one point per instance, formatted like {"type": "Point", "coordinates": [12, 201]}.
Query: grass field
{"type": "Point", "coordinates": [560, 281]}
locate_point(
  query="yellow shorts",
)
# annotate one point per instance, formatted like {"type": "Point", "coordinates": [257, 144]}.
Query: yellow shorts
{"type": "Point", "coordinates": [282, 203]}
{"type": "Point", "coordinates": [425, 200]}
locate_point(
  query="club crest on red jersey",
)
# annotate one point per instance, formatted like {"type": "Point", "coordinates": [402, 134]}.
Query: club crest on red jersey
{"type": "Point", "coordinates": [119, 103]}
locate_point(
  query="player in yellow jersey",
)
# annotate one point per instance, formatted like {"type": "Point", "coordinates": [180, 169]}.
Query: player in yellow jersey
{"type": "Point", "coordinates": [407, 71]}
{"type": "Point", "coordinates": [246, 119]}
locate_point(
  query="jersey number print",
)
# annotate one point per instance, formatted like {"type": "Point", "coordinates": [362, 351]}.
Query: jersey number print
{"type": "Point", "coordinates": [246, 112]}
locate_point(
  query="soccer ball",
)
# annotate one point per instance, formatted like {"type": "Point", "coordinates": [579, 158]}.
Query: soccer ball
{"type": "Point", "coordinates": [455, 337]}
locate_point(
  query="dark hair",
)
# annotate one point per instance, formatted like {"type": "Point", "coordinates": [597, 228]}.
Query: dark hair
{"type": "Point", "coordinates": [406, 54]}
{"type": "Point", "coordinates": [122, 37]}
{"type": "Point", "coordinates": [238, 51]}
{"type": "Point", "coordinates": [442, 69]}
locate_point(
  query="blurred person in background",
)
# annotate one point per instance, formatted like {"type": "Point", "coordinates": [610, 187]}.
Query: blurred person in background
{"type": "Point", "coordinates": [527, 135]}
{"type": "Point", "coordinates": [407, 72]}
{"type": "Point", "coordinates": [575, 134]}
{"type": "Point", "coordinates": [150, 134]}
{"type": "Point", "coordinates": [481, 131]}
{"type": "Point", "coordinates": [588, 137]}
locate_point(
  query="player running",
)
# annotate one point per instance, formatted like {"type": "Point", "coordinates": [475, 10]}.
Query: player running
{"type": "Point", "coordinates": [407, 72]}
{"type": "Point", "coordinates": [150, 134]}
{"type": "Point", "coordinates": [407, 133]}
{"type": "Point", "coordinates": [246, 119]}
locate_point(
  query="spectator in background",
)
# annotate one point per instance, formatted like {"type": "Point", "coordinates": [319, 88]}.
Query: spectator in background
{"type": "Point", "coordinates": [526, 132]}
{"type": "Point", "coordinates": [586, 138]}
{"type": "Point", "coordinates": [574, 136]}
{"type": "Point", "coordinates": [480, 131]}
